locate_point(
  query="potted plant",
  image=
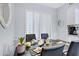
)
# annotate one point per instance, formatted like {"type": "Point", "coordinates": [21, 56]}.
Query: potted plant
{"type": "Point", "coordinates": [28, 45]}
{"type": "Point", "coordinates": [47, 42]}
{"type": "Point", "coordinates": [40, 42]}
{"type": "Point", "coordinates": [21, 46]}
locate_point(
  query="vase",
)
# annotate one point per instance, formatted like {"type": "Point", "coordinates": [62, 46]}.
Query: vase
{"type": "Point", "coordinates": [20, 49]}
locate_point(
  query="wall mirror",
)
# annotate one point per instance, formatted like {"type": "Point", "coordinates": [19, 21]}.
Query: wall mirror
{"type": "Point", "coordinates": [5, 14]}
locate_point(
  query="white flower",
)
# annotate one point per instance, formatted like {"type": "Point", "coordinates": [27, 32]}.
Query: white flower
{"type": "Point", "coordinates": [47, 41]}
{"type": "Point", "coordinates": [28, 44]}
{"type": "Point", "coordinates": [40, 42]}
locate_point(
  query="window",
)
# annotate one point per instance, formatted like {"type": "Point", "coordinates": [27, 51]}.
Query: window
{"type": "Point", "coordinates": [38, 23]}
{"type": "Point", "coordinates": [29, 22]}
{"type": "Point", "coordinates": [46, 23]}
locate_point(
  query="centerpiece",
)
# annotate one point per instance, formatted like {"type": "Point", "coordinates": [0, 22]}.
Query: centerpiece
{"type": "Point", "coordinates": [21, 46]}
{"type": "Point", "coordinates": [40, 42]}
{"type": "Point", "coordinates": [47, 42]}
{"type": "Point", "coordinates": [28, 45]}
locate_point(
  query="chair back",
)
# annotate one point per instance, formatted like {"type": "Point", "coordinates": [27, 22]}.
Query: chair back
{"type": "Point", "coordinates": [44, 35]}
{"type": "Point", "coordinates": [73, 49]}
{"type": "Point", "coordinates": [29, 37]}
{"type": "Point", "coordinates": [58, 51]}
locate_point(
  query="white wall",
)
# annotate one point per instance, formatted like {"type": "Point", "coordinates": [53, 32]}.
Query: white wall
{"type": "Point", "coordinates": [20, 17]}
{"type": "Point", "coordinates": [66, 15]}
{"type": "Point", "coordinates": [7, 38]}
{"type": "Point", "coordinates": [61, 33]}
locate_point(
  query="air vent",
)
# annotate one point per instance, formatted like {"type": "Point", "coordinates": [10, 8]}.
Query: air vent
{"type": "Point", "coordinates": [71, 3]}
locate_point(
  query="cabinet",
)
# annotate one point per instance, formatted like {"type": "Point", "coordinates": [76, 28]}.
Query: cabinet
{"type": "Point", "coordinates": [77, 16]}
{"type": "Point", "coordinates": [72, 15]}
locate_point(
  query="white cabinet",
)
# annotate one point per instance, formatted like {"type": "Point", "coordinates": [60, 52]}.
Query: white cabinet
{"type": "Point", "coordinates": [72, 15]}
{"type": "Point", "coordinates": [77, 16]}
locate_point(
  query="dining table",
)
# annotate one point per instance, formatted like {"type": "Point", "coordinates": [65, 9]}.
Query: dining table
{"type": "Point", "coordinates": [30, 52]}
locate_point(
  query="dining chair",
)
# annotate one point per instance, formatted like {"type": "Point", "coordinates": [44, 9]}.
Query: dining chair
{"type": "Point", "coordinates": [73, 49]}
{"type": "Point", "coordinates": [29, 37]}
{"type": "Point", "coordinates": [58, 51]}
{"type": "Point", "coordinates": [44, 35]}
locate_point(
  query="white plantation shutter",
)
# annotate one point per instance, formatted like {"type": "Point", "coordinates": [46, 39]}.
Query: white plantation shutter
{"type": "Point", "coordinates": [38, 23]}
{"type": "Point", "coordinates": [29, 22]}
{"type": "Point", "coordinates": [45, 26]}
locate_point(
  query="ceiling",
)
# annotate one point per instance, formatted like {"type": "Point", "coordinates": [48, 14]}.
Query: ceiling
{"type": "Point", "coordinates": [53, 5]}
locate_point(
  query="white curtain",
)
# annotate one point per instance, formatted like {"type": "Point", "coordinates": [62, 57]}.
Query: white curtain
{"type": "Point", "coordinates": [38, 22]}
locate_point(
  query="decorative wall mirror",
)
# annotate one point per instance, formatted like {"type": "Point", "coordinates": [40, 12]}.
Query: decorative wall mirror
{"type": "Point", "coordinates": [5, 14]}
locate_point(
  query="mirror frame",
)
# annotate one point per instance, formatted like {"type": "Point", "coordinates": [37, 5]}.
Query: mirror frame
{"type": "Point", "coordinates": [2, 21]}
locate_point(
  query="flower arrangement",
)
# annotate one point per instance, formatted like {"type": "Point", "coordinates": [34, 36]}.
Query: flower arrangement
{"type": "Point", "coordinates": [20, 47]}
{"type": "Point", "coordinates": [28, 45]}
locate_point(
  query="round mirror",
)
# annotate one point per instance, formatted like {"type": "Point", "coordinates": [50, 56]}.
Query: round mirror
{"type": "Point", "coordinates": [5, 14]}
